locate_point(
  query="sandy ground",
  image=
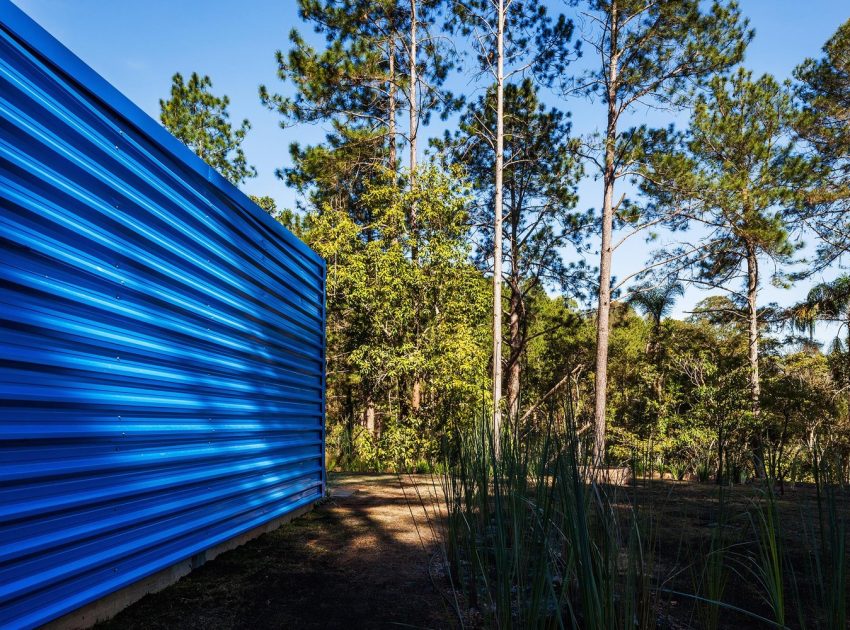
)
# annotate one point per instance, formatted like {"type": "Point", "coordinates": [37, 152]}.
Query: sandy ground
{"type": "Point", "coordinates": [359, 560]}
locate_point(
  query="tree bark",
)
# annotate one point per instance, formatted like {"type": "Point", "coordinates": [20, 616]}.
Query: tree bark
{"type": "Point", "coordinates": [516, 315]}
{"type": "Point", "coordinates": [392, 106]}
{"type": "Point", "coordinates": [497, 226]}
{"type": "Point", "coordinates": [369, 417]}
{"type": "Point", "coordinates": [516, 348]}
{"type": "Point", "coordinates": [416, 390]}
{"type": "Point", "coordinates": [414, 108]}
{"type": "Point", "coordinates": [605, 252]}
{"type": "Point", "coordinates": [753, 356]}
{"type": "Point", "coordinates": [753, 330]}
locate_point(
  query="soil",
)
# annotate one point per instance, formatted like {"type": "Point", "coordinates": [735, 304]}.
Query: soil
{"type": "Point", "coordinates": [367, 558]}
{"type": "Point", "coordinates": [359, 560]}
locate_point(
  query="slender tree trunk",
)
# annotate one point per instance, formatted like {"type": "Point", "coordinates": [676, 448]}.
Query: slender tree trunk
{"type": "Point", "coordinates": [392, 105]}
{"type": "Point", "coordinates": [753, 353]}
{"type": "Point", "coordinates": [414, 105]}
{"type": "Point", "coordinates": [497, 227]}
{"type": "Point", "coordinates": [416, 390]}
{"type": "Point", "coordinates": [369, 417]}
{"type": "Point", "coordinates": [515, 311]}
{"type": "Point", "coordinates": [350, 419]}
{"type": "Point", "coordinates": [515, 361]}
{"type": "Point", "coordinates": [847, 323]}
{"type": "Point", "coordinates": [719, 479]}
{"type": "Point", "coordinates": [753, 330]}
{"type": "Point", "coordinates": [605, 253]}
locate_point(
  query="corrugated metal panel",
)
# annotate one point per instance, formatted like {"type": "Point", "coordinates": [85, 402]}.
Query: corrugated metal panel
{"type": "Point", "coordinates": [162, 340]}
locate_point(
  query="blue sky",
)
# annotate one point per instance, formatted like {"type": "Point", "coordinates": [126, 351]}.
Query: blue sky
{"type": "Point", "coordinates": [138, 45]}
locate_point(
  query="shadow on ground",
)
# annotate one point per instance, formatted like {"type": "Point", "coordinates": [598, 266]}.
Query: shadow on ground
{"type": "Point", "coordinates": [357, 561]}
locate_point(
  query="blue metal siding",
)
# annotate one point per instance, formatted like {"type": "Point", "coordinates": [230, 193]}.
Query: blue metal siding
{"type": "Point", "coordinates": [162, 343]}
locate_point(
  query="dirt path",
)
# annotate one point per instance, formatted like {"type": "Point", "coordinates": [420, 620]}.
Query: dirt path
{"type": "Point", "coordinates": [357, 561]}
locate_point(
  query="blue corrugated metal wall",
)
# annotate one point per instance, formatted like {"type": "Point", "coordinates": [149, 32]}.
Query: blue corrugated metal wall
{"type": "Point", "coordinates": [162, 343]}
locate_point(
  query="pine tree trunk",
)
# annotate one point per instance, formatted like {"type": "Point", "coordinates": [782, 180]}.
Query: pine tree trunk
{"type": "Point", "coordinates": [414, 109]}
{"type": "Point", "coordinates": [515, 361]}
{"type": "Point", "coordinates": [497, 227]}
{"type": "Point", "coordinates": [515, 313]}
{"type": "Point", "coordinates": [753, 330]}
{"type": "Point", "coordinates": [603, 326]}
{"type": "Point", "coordinates": [392, 105]}
{"type": "Point", "coordinates": [753, 353]}
{"type": "Point", "coordinates": [416, 390]}
{"type": "Point", "coordinates": [605, 253]}
{"type": "Point", "coordinates": [369, 417]}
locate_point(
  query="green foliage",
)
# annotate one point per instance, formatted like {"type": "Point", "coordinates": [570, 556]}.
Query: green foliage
{"type": "Point", "coordinates": [340, 85]}
{"type": "Point", "coordinates": [823, 86]}
{"type": "Point", "coordinates": [661, 47]}
{"type": "Point", "coordinates": [540, 173]}
{"type": "Point", "coordinates": [827, 302]}
{"type": "Point", "coordinates": [739, 180]}
{"type": "Point", "coordinates": [540, 176]}
{"type": "Point", "coordinates": [408, 299]}
{"type": "Point", "coordinates": [201, 121]}
{"type": "Point", "coordinates": [532, 541]}
{"type": "Point", "coordinates": [379, 302]}
{"type": "Point", "coordinates": [740, 176]}
{"type": "Point", "coordinates": [355, 85]}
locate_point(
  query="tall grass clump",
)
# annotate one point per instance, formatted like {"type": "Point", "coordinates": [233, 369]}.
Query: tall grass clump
{"type": "Point", "coordinates": [533, 539]}
{"type": "Point", "coordinates": [539, 537]}
{"type": "Point", "coordinates": [713, 574]}
{"type": "Point", "coordinates": [828, 548]}
{"type": "Point", "coordinates": [817, 588]}
{"type": "Point", "coordinates": [767, 565]}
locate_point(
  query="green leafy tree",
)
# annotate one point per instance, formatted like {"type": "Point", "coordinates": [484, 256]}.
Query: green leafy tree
{"type": "Point", "coordinates": [705, 359]}
{"type": "Point", "coordinates": [379, 58]}
{"type": "Point", "coordinates": [800, 400]}
{"type": "Point", "coordinates": [377, 296]}
{"type": "Point", "coordinates": [508, 38]}
{"type": "Point", "coordinates": [558, 358]}
{"type": "Point", "coordinates": [539, 218]}
{"type": "Point", "coordinates": [739, 183]}
{"type": "Point", "coordinates": [823, 86]}
{"type": "Point", "coordinates": [656, 302]}
{"type": "Point", "coordinates": [825, 302]}
{"type": "Point", "coordinates": [649, 54]}
{"type": "Point", "coordinates": [199, 119]}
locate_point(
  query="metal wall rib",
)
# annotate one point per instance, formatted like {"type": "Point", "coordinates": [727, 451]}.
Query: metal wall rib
{"type": "Point", "coordinates": [162, 343]}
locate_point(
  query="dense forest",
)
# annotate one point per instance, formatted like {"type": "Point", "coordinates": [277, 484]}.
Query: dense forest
{"type": "Point", "coordinates": [445, 250]}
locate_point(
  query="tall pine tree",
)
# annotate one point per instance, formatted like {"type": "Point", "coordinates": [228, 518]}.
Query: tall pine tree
{"type": "Point", "coordinates": [539, 189]}
{"type": "Point", "coordinates": [380, 57]}
{"type": "Point", "coordinates": [199, 119]}
{"type": "Point", "coordinates": [649, 54]}
{"type": "Point", "coordinates": [740, 181]}
{"type": "Point", "coordinates": [824, 89]}
{"type": "Point", "coordinates": [508, 39]}
{"type": "Point", "coordinates": [377, 61]}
